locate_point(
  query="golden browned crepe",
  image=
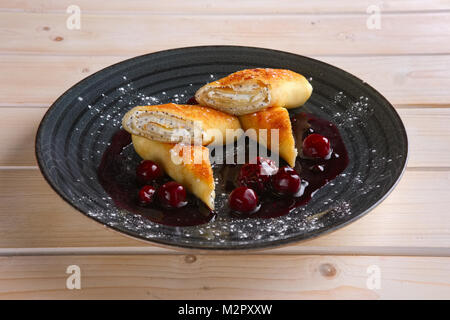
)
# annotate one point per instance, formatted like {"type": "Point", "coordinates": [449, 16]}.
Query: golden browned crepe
{"type": "Point", "coordinates": [179, 162]}
{"type": "Point", "coordinates": [272, 118]}
{"type": "Point", "coordinates": [252, 90]}
{"type": "Point", "coordinates": [173, 123]}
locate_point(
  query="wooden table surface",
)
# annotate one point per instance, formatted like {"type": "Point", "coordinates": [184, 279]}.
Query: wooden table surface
{"type": "Point", "coordinates": [406, 239]}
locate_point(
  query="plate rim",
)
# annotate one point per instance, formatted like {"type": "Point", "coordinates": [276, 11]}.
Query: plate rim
{"type": "Point", "coordinates": [252, 247]}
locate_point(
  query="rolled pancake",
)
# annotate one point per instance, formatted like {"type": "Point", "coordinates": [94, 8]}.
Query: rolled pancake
{"type": "Point", "coordinates": [252, 90]}
{"type": "Point", "coordinates": [196, 175]}
{"type": "Point", "coordinates": [272, 118]}
{"type": "Point", "coordinates": [173, 123]}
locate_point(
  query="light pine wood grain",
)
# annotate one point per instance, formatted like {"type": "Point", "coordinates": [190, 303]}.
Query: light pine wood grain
{"type": "Point", "coordinates": [230, 7]}
{"type": "Point", "coordinates": [428, 133]}
{"type": "Point", "coordinates": [18, 127]}
{"type": "Point", "coordinates": [117, 34]}
{"type": "Point", "coordinates": [402, 79]}
{"type": "Point", "coordinates": [225, 277]}
{"type": "Point", "coordinates": [428, 136]}
{"type": "Point", "coordinates": [413, 216]}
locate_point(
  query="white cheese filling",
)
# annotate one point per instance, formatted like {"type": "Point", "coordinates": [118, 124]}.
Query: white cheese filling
{"type": "Point", "coordinates": [164, 127]}
{"type": "Point", "coordinates": [239, 99]}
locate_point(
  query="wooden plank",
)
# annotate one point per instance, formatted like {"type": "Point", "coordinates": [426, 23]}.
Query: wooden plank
{"type": "Point", "coordinates": [226, 277]}
{"type": "Point", "coordinates": [427, 128]}
{"type": "Point", "coordinates": [117, 34]}
{"type": "Point", "coordinates": [51, 221]}
{"type": "Point", "coordinates": [60, 74]}
{"type": "Point", "coordinates": [428, 136]}
{"type": "Point", "coordinates": [229, 7]}
{"type": "Point", "coordinates": [414, 217]}
{"type": "Point", "coordinates": [402, 79]}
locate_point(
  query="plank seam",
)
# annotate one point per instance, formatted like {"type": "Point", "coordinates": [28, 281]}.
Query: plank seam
{"type": "Point", "coordinates": [316, 251]}
{"type": "Point", "coordinates": [314, 56]}
{"type": "Point", "coordinates": [229, 13]}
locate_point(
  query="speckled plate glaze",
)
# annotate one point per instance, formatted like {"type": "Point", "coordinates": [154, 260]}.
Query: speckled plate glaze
{"type": "Point", "coordinates": [77, 128]}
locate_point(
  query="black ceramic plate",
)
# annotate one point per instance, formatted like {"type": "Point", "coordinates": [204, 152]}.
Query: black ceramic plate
{"type": "Point", "coordinates": [78, 127]}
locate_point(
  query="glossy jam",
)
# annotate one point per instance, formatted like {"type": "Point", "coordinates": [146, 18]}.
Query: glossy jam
{"type": "Point", "coordinates": [315, 173]}
{"type": "Point", "coordinates": [121, 185]}
{"type": "Point", "coordinates": [319, 172]}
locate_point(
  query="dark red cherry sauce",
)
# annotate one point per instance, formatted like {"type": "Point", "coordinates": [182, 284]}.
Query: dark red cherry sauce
{"type": "Point", "coordinates": [119, 180]}
{"type": "Point", "coordinates": [314, 173]}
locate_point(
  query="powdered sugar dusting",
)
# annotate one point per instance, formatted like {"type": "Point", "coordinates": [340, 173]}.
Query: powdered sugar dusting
{"type": "Point", "coordinates": [356, 113]}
